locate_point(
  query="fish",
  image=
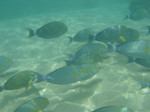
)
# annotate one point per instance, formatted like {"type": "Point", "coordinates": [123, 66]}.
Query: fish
{"type": "Point", "coordinates": [37, 104]}
{"type": "Point", "coordinates": [143, 61]}
{"type": "Point", "coordinates": [5, 63]}
{"type": "Point", "coordinates": [135, 5]}
{"type": "Point", "coordinates": [144, 85]}
{"type": "Point", "coordinates": [90, 53]}
{"type": "Point", "coordinates": [50, 30]}
{"type": "Point", "coordinates": [84, 35]}
{"type": "Point", "coordinates": [135, 49]}
{"type": "Point", "coordinates": [137, 15]}
{"type": "Point", "coordinates": [114, 108]}
{"type": "Point", "coordinates": [22, 79]}
{"type": "Point", "coordinates": [71, 74]}
{"type": "Point", "coordinates": [117, 35]}
{"type": "Point", "coordinates": [142, 79]}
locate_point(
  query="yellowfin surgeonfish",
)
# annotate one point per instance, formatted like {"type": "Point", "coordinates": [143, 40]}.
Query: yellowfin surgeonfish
{"type": "Point", "coordinates": [50, 30]}
{"type": "Point", "coordinates": [72, 73]}
{"type": "Point", "coordinates": [37, 104]}
{"type": "Point", "coordinates": [122, 38]}
{"type": "Point", "coordinates": [135, 49]}
{"type": "Point", "coordinates": [90, 53]}
{"type": "Point", "coordinates": [22, 79]}
{"type": "Point", "coordinates": [117, 34]}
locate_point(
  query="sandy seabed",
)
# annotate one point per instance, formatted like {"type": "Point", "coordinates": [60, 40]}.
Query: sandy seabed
{"type": "Point", "coordinates": [116, 83]}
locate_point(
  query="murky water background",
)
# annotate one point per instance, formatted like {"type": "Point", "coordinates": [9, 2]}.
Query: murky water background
{"type": "Point", "coordinates": [116, 83]}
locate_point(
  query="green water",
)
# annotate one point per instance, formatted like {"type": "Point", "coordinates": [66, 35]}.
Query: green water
{"type": "Point", "coordinates": [19, 8]}
{"type": "Point", "coordinates": [116, 83]}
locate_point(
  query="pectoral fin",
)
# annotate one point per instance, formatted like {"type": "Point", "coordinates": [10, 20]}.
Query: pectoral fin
{"type": "Point", "coordinates": [40, 111]}
{"type": "Point", "coordinates": [29, 84]}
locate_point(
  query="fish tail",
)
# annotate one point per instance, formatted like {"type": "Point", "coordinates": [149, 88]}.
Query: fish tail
{"type": "Point", "coordinates": [31, 32]}
{"type": "Point", "coordinates": [91, 38]}
{"type": "Point", "coordinates": [148, 27]}
{"type": "Point", "coordinates": [111, 47]}
{"type": "Point", "coordinates": [126, 17]}
{"type": "Point", "coordinates": [40, 78]}
{"type": "Point", "coordinates": [70, 39]}
{"type": "Point", "coordinates": [68, 62]}
{"type": "Point", "coordinates": [1, 88]}
{"type": "Point", "coordinates": [48, 78]}
{"type": "Point", "coordinates": [131, 60]}
{"type": "Point", "coordinates": [144, 85]}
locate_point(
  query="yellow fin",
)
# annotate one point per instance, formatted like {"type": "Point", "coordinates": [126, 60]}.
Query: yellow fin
{"type": "Point", "coordinates": [96, 67]}
{"type": "Point", "coordinates": [75, 75]}
{"type": "Point", "coordinates": [122, 38]}
{"type": "Point", "coordinates": [139, 39]}
{"type": "Point", "coordinates": [30, 83]}
{"type": "Point", "coordinates": [147, 49]}
{"type": "Point", "coordinates": [86, 71]}
{"type": "Point", "coordinates": [100, 55]}
{"type": "Point", "coordinates": [91, 60]}
{"type": "Point", "coordinates": [40, 111]}
{"type": "Point", "coordinates": [104, 47]}
{"type": "Point", "coordinates": [8, 61]}
{"type": "Point", "coordinates": [1, 66]}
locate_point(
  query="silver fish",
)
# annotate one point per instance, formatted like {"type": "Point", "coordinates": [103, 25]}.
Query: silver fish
{"type": "Point", "coordinates": [135, 49]}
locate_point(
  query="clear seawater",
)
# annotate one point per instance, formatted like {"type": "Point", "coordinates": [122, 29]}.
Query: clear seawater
{"type": "Point", "coordinates": [116, 83]}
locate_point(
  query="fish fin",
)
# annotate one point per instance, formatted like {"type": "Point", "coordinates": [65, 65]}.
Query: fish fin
{"type": "Point", "coordinates": [75, 75]}
{"type": "Point", "coordinates": [126, 17]}
{"type": "Point", "coordinates": [30, 83]}
{"type": "Point", "coordinates": [1, 66]}
{"type": "Point", "coordinates": [131, 60]}
{"type": "Point", "coordinates": [122, 38]}
{"type": "Point", "coordinates": [70, 58]}
{"type": "Point", "coordinates": [1, 88]}
{"type": "Point", "coordinates": [111, 47]}
{"type": "Point", "coordinates": [144, 85]}
{"type": "Point", "coordinates": [40, 77]}
{"type": "Point", "coordinates": [68, 62]}
{"type": "Point", "coordinates": [148, 27]}
{"type": "Point", "coordinates": [91, 38]}
{"type": "Point", "coordinates": [31, 32]}
{"type": "Point", "coordinates": [48, 78]}
{"type": "Point", "coordinates": [40, 110]}
{"type": "Point", "coordinates": [70, 39]}
{"type": "Point", "coordinates": [9, 61]}
{"type": "Point", "coordinates": [105, 108]}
